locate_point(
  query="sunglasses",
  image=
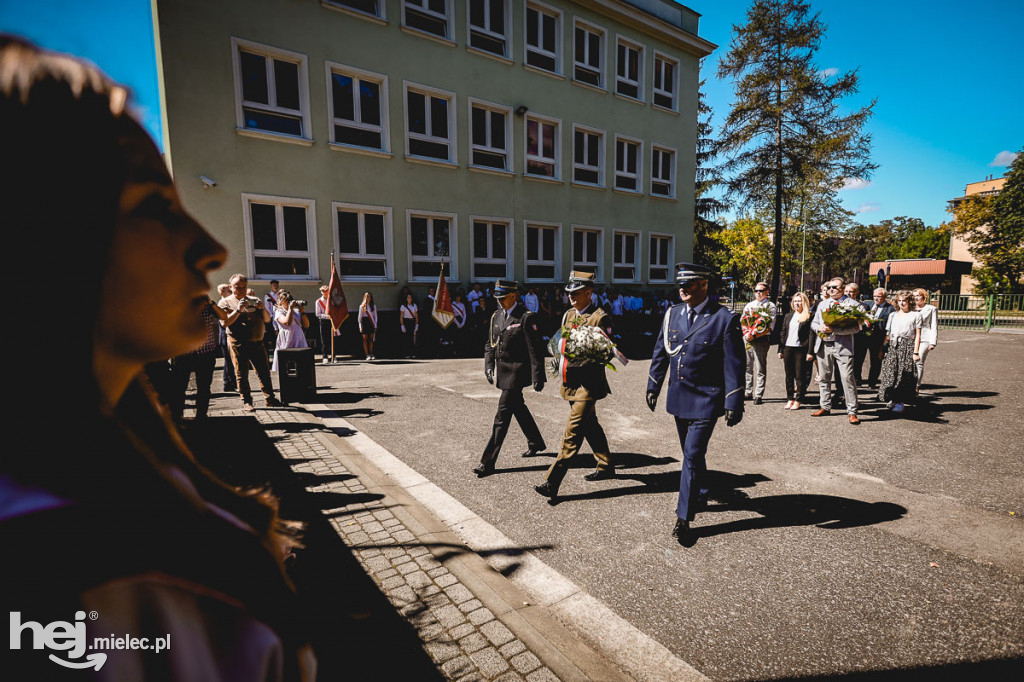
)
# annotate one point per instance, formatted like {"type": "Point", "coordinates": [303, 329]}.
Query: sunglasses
{"type": "Point", "coordinates": [832, 288]}
{"type": "Point", "coordinates": [760, 291]}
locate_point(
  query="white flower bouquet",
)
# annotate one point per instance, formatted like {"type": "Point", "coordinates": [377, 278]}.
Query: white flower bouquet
{"type": "Point", "coordinates": [578, 345]}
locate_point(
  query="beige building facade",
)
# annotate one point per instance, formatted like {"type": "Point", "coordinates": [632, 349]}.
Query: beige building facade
{"type": "Point", "coordinates": [958, 247]}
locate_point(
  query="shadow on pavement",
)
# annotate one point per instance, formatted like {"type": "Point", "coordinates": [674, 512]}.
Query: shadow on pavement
{"type": "Point", "coordinates": [345, 397]}
{"type": "Point", "coordinates": [995, 670]}
{"type": "Point", "coordinates": [356, 632]}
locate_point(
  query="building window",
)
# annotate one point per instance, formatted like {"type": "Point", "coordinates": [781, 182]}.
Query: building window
{"type": "Point", "coordinates": [629, 69]}
{"type": "Point", "coordinates": [624, 256]}
{"type": "Point", "coordinates": [663, 172]}
{"type": "Point", "coordinates": [588, 156]}
{"type": "Point", "coordinates": [431, 244]}
{"type": "Point", "coordinates": [665, 87]}
{"type": "Point", "coordinates": [543, 37]}
{"type": "Point", "coordinates": [489, 26]}
{"type": "Point", "coordinates": [429, 16]}
{"type": "Point", "coordinates": [374, 8]}
{"type": "Point", "coordinates": [363, 239]}
{"type": "Point", "coordinates": [541, 252]}
{"type": "Point", "coordinates": [490, 136]}
{"type": "Point", "coordinates": [358, 108]}
{"type": "Point", "coordinates": [542, 144]}
{"type": "Point", "coordinates": [491, 248]}
{"type": "Point", "coordinates": [588, 60]}
{"type": "Point", "coordinates": [271, 90]}
{"type": "Point", "coordinates": [627, 164]}
{"type": "Point", "coordinates": [661, 256]}
{"type": "Point", "coordinates": [430, 123]}
{"type": "Point", "coordinates": [280, 237]}
{"type": "Point", "coordinates": [586, 250]}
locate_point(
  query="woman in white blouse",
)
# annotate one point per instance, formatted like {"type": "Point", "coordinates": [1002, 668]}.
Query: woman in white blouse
{"type": "Point", "coordinates": [929, 328]}
{"type": "Point", "coordinates": [368, 324]}
{"type": "Point", "coordinates": [409, 318]}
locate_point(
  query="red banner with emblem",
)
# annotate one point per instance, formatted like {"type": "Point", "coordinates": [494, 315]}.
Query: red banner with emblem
{"type": "Point", "coordinates": [337, 306]}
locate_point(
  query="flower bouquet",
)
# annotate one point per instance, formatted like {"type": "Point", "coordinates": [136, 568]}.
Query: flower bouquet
{"type": "Point", "coordinates": [847, 315]}
{"type": "Point", "coordinates": [577, 345]}
{"type": "Point", "coordinates": [755, 322]}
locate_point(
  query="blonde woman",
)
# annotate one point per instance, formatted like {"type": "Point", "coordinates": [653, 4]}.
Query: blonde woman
{"type": "Point", "coordinates": [929, 328]}
{"type": "Point", "coordinates": [796, 348]}
{"type": "Point", "coordinates": [899, 369]}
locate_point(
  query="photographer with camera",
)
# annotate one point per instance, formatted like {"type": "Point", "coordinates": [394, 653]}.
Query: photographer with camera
{"type": "Point", "coordinates": [291, 324]}
{"type": "Point", "coordinates": [245, 323]}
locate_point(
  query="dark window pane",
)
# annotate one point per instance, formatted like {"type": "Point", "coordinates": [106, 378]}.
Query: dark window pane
{"type": "Point", "coordinates": [549, 244]}
{"type": "Point", "coordinates": [374, 231]}
{"type": "Point", "coordinates": [497, 130]}
{"type": "Point", "coordinates": [480, 240]}
{"type": "Point", "coordinates": [591, 247]}
{"type": "Point", "coordinates": [620, 62]}
{"type": "Point", "coordinates": [423, 22]}
{"type": "Point", "coordinates": [433, 150]}
{"type": "Point", "coordinates": [627, 90]}
{"type": "Point", "coordinates": [588, 176]}
{"type": "Point", "coordinates": [657, 73]}
{"type": "Point", "coordinates": [668, 83]}
{"type": "Point", "coordinates": [489, 160]}
{"type": "Point", "coordinates": [341, 90]}
{"type": "Point", "coordinates": [617, 247]}
{"type": "Point", "coordinates": [587, 76]}
{"type": "Point", "coordinates": [620, 155]}
{"type": "Point", "coordinates": [295, 228]}
{"type": "Point", "coordinates": [487, 43]}
{"type": "Point", "coordinates": [440, 237]}
{"type": "Point", "coordinates": [419, 236]}
{"type": "Point", "coordinates": [476, 13]}
{"type": "Point", "coordinates": [439, 117]}
{"type": "Point", "coordinates": [540, 271]}
{"type": "Point", "coordinates": [532, 17]}
{"type": "Point", "coordinates": [579, 143]}
{"type": "Point", "coordinates": [630, 249]}
{"type": "Point", "coordinates": [417, 105]}
{"type": "Point", "coordinates": [277, 123]}
{"type": "Point", "coordinates": [264, 227]}
{"type": "Point", "coordinates": [436, 6]}
{"type": "Point", "coordinates": [625, 183]}
{"type": "Point", "coordinates": [286, 76]}
{"type": "Point", "coordinates": [623, 273]}
{"type": "Point", "coordinates": [663, 251]}
{"type": "Point", "coordinates": [549, 33]}
{"type": "Point", "coordinates": [429, 269]}
{"type": "Point", "coordinates": [631, 155]}
{"type": "Point", "coordinates": [580, 38]}
{"type": "Point", "coordinates": [532, 137]}
{"type": "Point", "coordinates": [532, 247]}
{"type": "Point", "coordinates": [498, 16]}
{"type": "Point", "coordinates": [595, 50]}
{"type": "Point", "coordinates": [363, 268]}
{"type": "Point", "coordinates": [269, 265]}
{"type": "Point", "coordinates": [369, 102]}
{"type": "Point", "coordinates": [254, 77]}
{"type": "Point", "coordinates": [661, 188]}
{"type": "Point", "coordinates": [666, 167]}
{"type": "Point", "coordinates": [490, 270]}
{"type": "Point", "coordinates": [368, 6]}
{"type": "Point", "coordinates": [547, 132]}
{"type": "Point", "coordinates": [540, 168]}
{"type": "Point", "coordinates": [592, 149]}
{"type": "Point", "coordinates": [663, 100]}
{"type": "Point", "coordinates": [357, 137]}
{"type": "Point", "coordinates": [540, 61]}
{"type": "Point", "coordinates": [577, 246]}
{"type": "Point", "coordinates": [659, 273]}
{"type": "Point", "coordinates": [479, 126]}
{"type": "Point", "coordinates": [348, 232]}
{"type": "Point", "coordinates": [498, 241]}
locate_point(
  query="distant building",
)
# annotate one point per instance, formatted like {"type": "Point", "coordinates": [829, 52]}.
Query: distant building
{"type": "Point", "coordinates": [958, 248]}
{"type": "Point", "coordinates": [493, 138]}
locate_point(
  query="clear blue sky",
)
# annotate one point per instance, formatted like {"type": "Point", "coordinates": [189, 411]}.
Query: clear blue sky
{"type": "Point", "coordinates": [946, 76]}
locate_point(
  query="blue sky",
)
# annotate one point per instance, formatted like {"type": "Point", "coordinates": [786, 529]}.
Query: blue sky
{"type": "Point", "coordinates": [946, 79]}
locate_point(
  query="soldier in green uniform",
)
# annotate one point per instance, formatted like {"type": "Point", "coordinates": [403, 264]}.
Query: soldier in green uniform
{"type": "Point", "coordinates": [582, 387]}
{"type": "Point", "coordinates": [514, 356]}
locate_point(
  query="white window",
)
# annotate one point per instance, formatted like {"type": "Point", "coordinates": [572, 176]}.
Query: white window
{"type": "Point", "coordinates": [271, 90]}
{"type": "Point", "coordinates": [362, 237]}
{"type": "Point", "coordinates": [358, 108]}
{"type": "Point", "coordinates": [280, 237]}
{"type": "Point", "coordinates": [489, 22]}
{"type": "Point", "coordinates": [429, 123]}
{"type": "Point", "coordinates": [586, 250]}
{"type": "Point", "coordinates": [543, 37]}
{"type": "Point", "coordinates": [492, 248]}
{"type": "Point", "coordinates": [373, 8]}
{"type": "Point", "coordinates": [588, 156]}
{"type": "Point", "coordinates": [663, 171]}
{"type": "Point", "coordinates": [541, 252]}
{"type": "Point", "coordinates": [542, 146]}
{"type": "Point", "coordinates": [629, 66]}
{"type": "Point", "coordinates": [588, 54]}
{"type": "Point", "coordinates": [432, 241]}
{"type": "Point", "coordinates": [430, 16]}
{"type": "Point", "coordinates": [490, 135]}
{"type": "Point", "coordinates": [660, 257]}
{"type": "Point", "coordinates": [666, 70]}
{"type": "Point", "coordinates": [627, 164]}
{"type": "Point", "coordinates": [625, 255]}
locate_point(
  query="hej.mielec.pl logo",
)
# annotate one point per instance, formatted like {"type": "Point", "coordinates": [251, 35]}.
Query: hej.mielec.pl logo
{"type": "Point", "coordinates": [71, 638]}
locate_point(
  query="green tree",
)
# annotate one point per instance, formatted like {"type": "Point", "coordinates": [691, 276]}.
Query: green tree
{"type": "Point", "coordinates": [785, 129]}
{"type": "Point", "coordinates": [746, 250]}
{"type": "Point", "coordinates": [706, 248]}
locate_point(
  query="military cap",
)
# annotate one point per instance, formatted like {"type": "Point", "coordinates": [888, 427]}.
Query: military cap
{"type": "Point", "coordinates": [579, 280]}
{"type": "Point", "coordinates": [504, 287]}
{"type": "Point", "coordinates": [691, 272]}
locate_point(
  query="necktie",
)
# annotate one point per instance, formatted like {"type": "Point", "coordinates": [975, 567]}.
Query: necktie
{"type": "Point", "coordinates": [690, 317]}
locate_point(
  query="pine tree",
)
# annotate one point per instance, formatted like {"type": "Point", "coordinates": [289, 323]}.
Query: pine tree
{"type": "Point", "coordinates": [785, 129]}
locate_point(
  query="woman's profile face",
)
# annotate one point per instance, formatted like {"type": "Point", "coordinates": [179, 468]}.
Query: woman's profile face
{"type": "Point", "coordinates": [158, 264]}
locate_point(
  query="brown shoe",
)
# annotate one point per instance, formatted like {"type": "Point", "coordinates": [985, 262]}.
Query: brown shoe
{"type": "Point", "coordinates": [853, 419]}
{"type": "Point", "coordinates": [821, 412]}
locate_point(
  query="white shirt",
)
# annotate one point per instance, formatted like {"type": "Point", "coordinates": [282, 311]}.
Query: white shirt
{"type": "Point", "coordinates": [929, 324]}
{"type": "Point", "coordinates": [531, 302]}
{"type": "Point", "coordinates": [617, 306]}
{"type": "Point", "coordinates": [793, 334]}
{"type": "Point", "coordinates": [474, 299]}
{"type": "Point", "coordinates": [901, 325]}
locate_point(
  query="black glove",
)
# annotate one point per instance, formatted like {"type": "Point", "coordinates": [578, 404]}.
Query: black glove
{"type": "Point", "coordinates": [538, 386]}
{"type": "Point", "coordinates": [733, 417]}
{"type": "Point", "coordinates": [489, 375]}
{"type": "Point", "coordinates": [652, 400]}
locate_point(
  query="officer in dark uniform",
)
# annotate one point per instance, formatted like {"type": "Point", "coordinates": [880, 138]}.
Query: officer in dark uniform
{"type": "Point", "coordinates": [515, 352]}
{"type": "Point", "coordinates": [700, 349]}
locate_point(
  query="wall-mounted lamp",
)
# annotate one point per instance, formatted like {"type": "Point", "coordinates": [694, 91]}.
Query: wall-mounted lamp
{"type": "Point", "coordinates": [521, 110]}
{"type": "Point", "coordinates": [207, 182]}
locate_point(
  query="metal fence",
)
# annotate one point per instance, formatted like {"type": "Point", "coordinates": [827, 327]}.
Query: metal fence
{"type": "Point", "coordinates": [999, 312]}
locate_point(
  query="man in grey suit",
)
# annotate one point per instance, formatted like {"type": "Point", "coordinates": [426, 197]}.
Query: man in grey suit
{"type": "Point", "coordinates": [834, 353]}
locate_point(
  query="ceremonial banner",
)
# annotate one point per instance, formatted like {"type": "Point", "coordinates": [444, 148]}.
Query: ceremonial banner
{"type": "Point", "coordinates": [443, 313]}
{"type": "Point", "coordinates": [337, 306]}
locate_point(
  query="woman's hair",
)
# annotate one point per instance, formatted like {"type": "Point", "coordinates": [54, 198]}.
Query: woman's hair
{"type": "Point", "coordinates": [905, 295]}
{"type": "Point", "coordinates": [370, 305]}
{"type": "Point", "coordinates": [284, 297]}
{"type": "Point", "coordinates": [805, 312]}
{"type": "Point", "coordinates": [408, 295]}
{"type": "Point", "coordinates": [924, 293]}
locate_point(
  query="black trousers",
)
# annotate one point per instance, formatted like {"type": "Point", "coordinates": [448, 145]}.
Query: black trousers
{"type": "Point", "coordinates": [794, 359]}
{"type": "Point", "coordinates": [875, 362]}
{"type": "Point", "coordinates": [181, 369]}
{"type": "Point", "coordinates": [511, 404]}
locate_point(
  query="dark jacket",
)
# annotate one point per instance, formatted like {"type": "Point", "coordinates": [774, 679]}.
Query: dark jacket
{"type": "Point", "coordinates": [803, 333]}
{"type": "Point", "coordinates": [878, 328]}
{"type": "Point", "coordinates": [514, 350]}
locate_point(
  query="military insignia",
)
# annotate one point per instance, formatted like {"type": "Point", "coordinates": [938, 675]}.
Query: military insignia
{"type": "Point", "coordinates": [513, 326]}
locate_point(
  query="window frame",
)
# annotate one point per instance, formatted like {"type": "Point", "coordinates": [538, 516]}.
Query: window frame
{"type": "Point", "coordinates": [509, 259]}
{"type": "Point", "coordinates": [603, 54]}
{"type": "Point", "coordinates": [453, 244]}
{"type": "Point", "coordinates": [527, 157]}
{"type": "Point", "coordinates": [271, 53]}
{"type": "Point", "coordinates": [672, 172]}
{"type": "Point", "coordinates": [639, 165]}
{"type": "Point", "coordinates": [385, 109]}
{"type": "Point", "coordinates": [576, 165]}
{"type": "Point", "coordinates": [559, 15]}
{"type": "Point", "coordinates": [342, 6]}
{"type": "Point", "coordinates": [448, 17]}
{"type": "Point", "coordinates": [674, 93]}
{"type": "Point", "coordinates": [452, 141]}
{"type": "Point", "coordinates": [641, 70]}
{"type": "Point", "coordinates": [251, 253]}
{"type": "Point", "coordinates": [635, 234]}
{"type": "Point", "coordinates": [554, 263]}
{"type": "Point", "coordinates": [599, 265]}
{"type": "Point", "coordinates": [509, 153]}
{"type": "Point", "coordinates": [670, 255]}
{"type": "Point", "coordinates": [389, 251]}
{"type": "Point", "coordinates": [507, 37]}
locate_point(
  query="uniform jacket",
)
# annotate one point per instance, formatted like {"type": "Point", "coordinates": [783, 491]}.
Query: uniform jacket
{"type": "Point", "coordinates": [515, 349]}
{"type": "Point", "coordinates": [706, 375]}
{"type": "Point", "coordinates": [588, 382]}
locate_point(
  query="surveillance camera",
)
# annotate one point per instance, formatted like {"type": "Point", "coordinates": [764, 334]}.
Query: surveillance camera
{"type": "Point", "coordinates": [207, 182]}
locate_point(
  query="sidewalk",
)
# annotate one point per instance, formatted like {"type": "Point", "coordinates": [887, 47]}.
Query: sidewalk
{"type": "Point", "coordinates": [448, 613]}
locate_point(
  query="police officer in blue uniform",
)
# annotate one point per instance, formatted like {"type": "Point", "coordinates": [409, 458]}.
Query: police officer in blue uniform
{"type": "Point", "coordinates": [700, 350]}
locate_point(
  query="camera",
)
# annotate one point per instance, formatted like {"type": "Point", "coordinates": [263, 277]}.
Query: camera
{"type": "Point", "coordinates": [299, 302]}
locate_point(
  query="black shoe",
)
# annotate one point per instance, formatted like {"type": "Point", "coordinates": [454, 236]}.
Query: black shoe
{"type": "Point", "coordinates": [600, 475]}
{"type": "Point", "coordinates": [547, 490]}
{"type": "Point", "coordinates": [273, 402]}
{"type": "Point", "coordinates": [482, 470]}
{"type": "Point", "coordinates": [758, 401]}
{"type": "Point", "coordinates": [683, 534]}
{"type": "Point", "coordinates": [530, 452]}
